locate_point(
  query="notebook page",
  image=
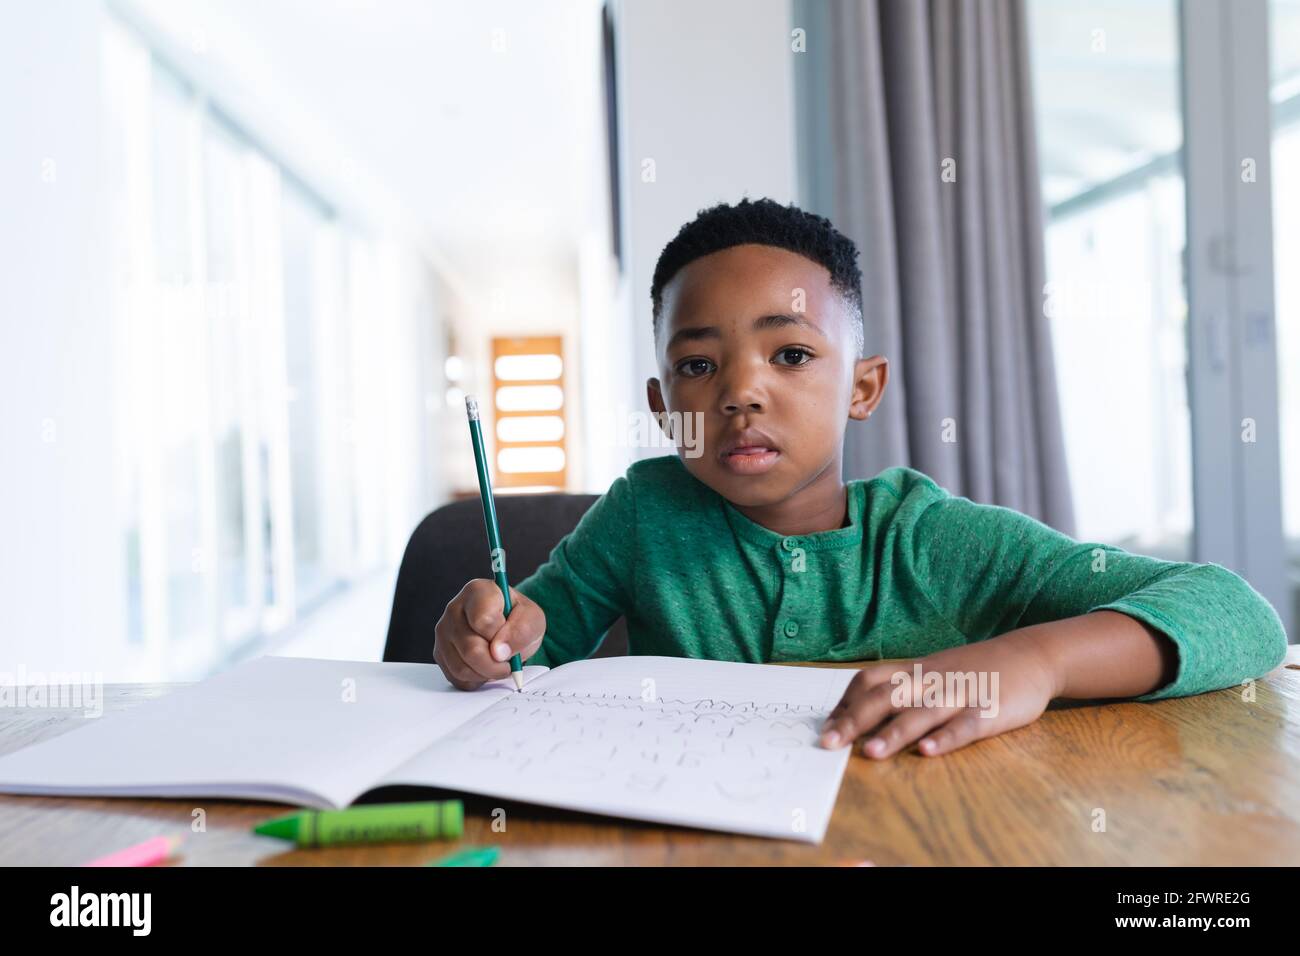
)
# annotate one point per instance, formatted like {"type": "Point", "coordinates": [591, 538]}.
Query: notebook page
{"type": "Point", "coordinates": [295, 730]}
{"type": "Point", "coordinates": [710, 744]}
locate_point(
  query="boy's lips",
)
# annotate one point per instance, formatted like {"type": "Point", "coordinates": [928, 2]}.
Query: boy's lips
{"type": "Point", "coordinates": [750, 452]}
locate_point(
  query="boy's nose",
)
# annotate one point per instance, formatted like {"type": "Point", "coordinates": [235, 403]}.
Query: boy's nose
{"type": "Point", "coordinates": [744, 403]}
{"type": "Point", "coordinates": [742, 392]}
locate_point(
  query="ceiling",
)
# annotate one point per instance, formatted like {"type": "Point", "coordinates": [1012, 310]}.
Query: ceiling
{"type": "Point", "coordinates": [492, 143]}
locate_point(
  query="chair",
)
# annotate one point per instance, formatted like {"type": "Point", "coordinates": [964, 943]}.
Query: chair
{"type": "Point", "coordinates": [449, 547]}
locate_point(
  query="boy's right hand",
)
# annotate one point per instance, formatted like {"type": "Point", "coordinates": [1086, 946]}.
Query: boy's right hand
{"type": "Point", "coordinates": [474, 640]}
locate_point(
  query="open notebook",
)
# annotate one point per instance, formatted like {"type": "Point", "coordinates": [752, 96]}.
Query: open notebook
{"type": "Point", "coordinates": [722, 746]}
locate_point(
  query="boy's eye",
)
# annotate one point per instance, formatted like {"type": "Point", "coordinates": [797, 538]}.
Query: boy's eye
{"type": "Point", "coordinates": [690, 368]}
{"type": "Point", "coordinates": [794, 356]}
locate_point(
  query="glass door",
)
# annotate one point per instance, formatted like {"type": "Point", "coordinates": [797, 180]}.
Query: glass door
{"type": "Point", "coordinates": [1155, 125]}
{"type": "Point", "coordinates": [1110, 132]}
{"type": "Point", "coordinates": [1284, 81]}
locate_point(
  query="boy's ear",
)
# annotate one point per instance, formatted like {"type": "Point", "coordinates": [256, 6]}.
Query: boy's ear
{"type": "Point", "coordinates": [654, 395]}
{"type": "Point", "coordinates": [870, 375]}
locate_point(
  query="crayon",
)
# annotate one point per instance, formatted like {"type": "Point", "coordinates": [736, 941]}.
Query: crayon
{"type": "Point", "coordinates": [142, 854]}
{"type": "Point", "coordinates": [477, 856]}
{"type": "Point", "coordinates": [380, 823]}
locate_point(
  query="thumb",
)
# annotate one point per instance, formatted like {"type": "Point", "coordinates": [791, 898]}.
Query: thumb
{"type": "Point", "coordinates": [522, 624]}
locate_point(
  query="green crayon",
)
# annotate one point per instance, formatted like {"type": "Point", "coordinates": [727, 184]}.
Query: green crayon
{"type": "Point", "coordinates": [379, 823]}
{"type": "Point", "coordinates": [478, 856]}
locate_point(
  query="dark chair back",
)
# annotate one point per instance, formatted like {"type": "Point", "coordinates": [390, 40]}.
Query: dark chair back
{"type": "Point", "coordinates": [449, 547]}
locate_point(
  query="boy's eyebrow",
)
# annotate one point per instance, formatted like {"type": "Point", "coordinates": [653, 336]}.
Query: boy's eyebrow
{"type": "Point", "coordinates": [775, 321]}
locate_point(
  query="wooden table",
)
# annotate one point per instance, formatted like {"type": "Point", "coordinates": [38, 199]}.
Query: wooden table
{"type": "Point", "coordinates": [1207, 780]}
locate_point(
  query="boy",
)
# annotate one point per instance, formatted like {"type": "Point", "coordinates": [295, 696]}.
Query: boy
{"type": "Point", "coordinates": [753, 548]}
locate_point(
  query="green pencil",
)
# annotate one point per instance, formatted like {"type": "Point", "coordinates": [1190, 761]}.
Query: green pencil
{"type": "Point", "coordinates": [377, 823]}
{"type": "Point", "coordinates": [490, 522]}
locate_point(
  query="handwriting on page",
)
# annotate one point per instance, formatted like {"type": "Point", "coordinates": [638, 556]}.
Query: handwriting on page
{"type": "Point", "coordinates": [739, 750]}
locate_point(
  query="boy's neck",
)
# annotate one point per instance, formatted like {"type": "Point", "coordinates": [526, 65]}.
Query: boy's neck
{"type": "Point", "coordinates": [821, 505]}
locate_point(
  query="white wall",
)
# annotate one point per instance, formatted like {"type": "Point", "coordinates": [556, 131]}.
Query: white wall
{"type": "Point", "coordinates": [707, 93]}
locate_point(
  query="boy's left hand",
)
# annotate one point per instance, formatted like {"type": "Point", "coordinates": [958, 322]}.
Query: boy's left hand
{"type": "Point", "coordinates": [1014, 680]}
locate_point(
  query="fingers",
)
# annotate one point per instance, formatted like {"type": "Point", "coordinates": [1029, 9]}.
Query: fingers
{"type": "Point", "coordinates": [534, 642]}
{"type": "Point", "coordinates": [856, 686]}
{"type": "Point", "coordinates": [869, 707]}
{"type": "Point", "coordinates": [460, 674]}
{"type": "Point", "coordinates": [522, 630]}
{"type": "Point", "coordinates": [902, 729]}
{"type": "Point", "coordinates": [458, 647]}
{"type": "Point", "coordinates": [475, 651]}
{"type": "Point", "coordinates": [483, 607]}
{"type": "Point", "coordinates": [485, 615]}
{"type": "Point", "coordinates": [864, 680]}
{"type": "Point", "coordinates": [474, 640]}
{"type": "Point", "coordinates": [866, 702]}
{"type": "Point", "coordinates": [462, 654]}
{"type": "Point", "coordinates": [963, 729]}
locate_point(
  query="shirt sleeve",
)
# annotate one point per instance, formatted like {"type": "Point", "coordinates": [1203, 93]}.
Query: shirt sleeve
{"type": "Point", "coordinates": [586, 583]}
{"type": "Point", "coordinates": [990, 569]}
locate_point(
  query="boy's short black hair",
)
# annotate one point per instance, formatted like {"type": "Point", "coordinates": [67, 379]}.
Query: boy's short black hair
{"type": "Point", "coordinates": [768, 223]}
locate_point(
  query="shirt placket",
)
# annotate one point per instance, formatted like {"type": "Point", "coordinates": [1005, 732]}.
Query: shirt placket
{"type": "Point", "coordinates": [793, 625]}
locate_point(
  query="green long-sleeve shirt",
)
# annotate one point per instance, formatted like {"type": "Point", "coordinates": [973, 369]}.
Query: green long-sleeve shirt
{"type": "Point", "coordinates": [916, 570]}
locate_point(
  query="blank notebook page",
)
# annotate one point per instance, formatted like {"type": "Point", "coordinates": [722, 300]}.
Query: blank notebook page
{"type": "Point", "coordinates": [299, 730]}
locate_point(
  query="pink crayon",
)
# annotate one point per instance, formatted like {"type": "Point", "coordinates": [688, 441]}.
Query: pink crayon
{"type": "Point", "coordinates": [142, 854]}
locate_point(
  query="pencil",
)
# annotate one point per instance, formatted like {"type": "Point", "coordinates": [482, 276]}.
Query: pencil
{"type": "Point", "coordinates": [490, 522]}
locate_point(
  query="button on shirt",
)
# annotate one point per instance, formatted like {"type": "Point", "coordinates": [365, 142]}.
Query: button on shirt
{"type": "Point", "coordinates": [913, 571]}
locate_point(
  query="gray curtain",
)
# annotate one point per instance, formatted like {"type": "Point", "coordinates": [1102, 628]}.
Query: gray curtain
{"type": "Point", "coordinates": [892, 93]}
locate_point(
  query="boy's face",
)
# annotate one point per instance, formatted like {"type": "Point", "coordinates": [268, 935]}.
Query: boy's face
{"type": "Point", "coordinates": [757, 340]}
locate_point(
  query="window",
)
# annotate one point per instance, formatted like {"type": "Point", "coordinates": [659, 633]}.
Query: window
{"type": "Point", "coordinates": [233, 317]}
{"type": "Point", "coordinates": [1284, 29]}
{"type": "Point", "coordinates": [528, 398]}
{"type": "Point", "coordinates": [306, 310]}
